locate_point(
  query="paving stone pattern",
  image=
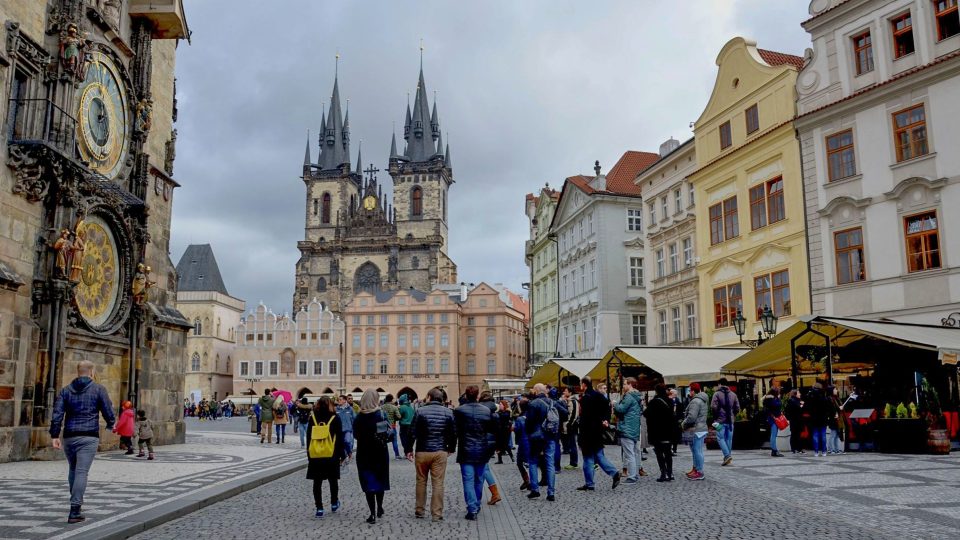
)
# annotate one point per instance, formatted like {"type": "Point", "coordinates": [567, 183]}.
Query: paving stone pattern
{"type": "Point", "coordinates": [33, 509]}
{"type": "Point", "coordinates": [757, 497]}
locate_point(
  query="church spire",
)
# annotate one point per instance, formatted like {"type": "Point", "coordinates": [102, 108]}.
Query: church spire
{"type": "Point", "coordinates": [422, 144]}
{"type": "Point", "coordinates": [306, 154]}
{"type": "Point", "coordinates": [335, 146]}
{"type": "Point", "coordinates": [393, 146]}
{"type": "Point", "coordinates": [439, 151]}
{"type": "Point", "coordinates": [446, 157]}
{"type": "Point", "coordinates": [359, 157]}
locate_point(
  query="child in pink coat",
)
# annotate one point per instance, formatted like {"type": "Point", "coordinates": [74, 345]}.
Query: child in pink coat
{"type": "Point", "coordinates": [125, 427]}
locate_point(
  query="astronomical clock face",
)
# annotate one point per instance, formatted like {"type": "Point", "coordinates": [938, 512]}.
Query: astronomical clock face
{"type": "Point", "coordinates": [99, 287]}
{"type": "Point", "coordinates": [102, 117]}
{"type": "Point", "coordinates": [370, 202]}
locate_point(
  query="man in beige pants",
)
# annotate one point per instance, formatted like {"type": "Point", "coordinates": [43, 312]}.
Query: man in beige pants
{"type": "Point", "coordinates": [434, 435]}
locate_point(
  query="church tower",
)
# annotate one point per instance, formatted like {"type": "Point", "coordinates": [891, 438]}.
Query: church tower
{"type": "Point", "coordinates": [333, 188]}
{"type": "Point", "coordinates": [422, 176]}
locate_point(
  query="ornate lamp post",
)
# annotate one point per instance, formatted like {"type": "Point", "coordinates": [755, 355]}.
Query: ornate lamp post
{"type": "Point", "coordinates": [768, 323]}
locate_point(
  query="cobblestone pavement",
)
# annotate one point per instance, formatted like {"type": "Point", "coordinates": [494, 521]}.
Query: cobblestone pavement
{"type": "Point", "coordinates": [861, 496]}
{"type": "Point", "coordinates": [34, 497]}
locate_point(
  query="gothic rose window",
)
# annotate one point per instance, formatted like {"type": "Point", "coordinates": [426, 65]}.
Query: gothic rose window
{"type": "Point", "coordinates": [367, 278]}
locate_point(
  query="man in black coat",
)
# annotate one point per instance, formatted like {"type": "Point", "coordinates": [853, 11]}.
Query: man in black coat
{"type": "Point", "coordinates": [475, 427]}
{"type": "Point", "coordinates": [434, 433]}
{"type": "Point", "coordinates": [594, 420]}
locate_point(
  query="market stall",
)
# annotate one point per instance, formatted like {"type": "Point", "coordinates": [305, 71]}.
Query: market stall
{"type": "Point", "coordinates": [897, 381]}
{"type": "Point", "coordinates": [673, 365]}
{"type": "Point", "coordinates": [562, 371]}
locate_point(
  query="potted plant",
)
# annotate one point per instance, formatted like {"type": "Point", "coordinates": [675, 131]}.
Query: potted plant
{"type": "Point", "coordinates": [898, 433]}
{"type": "Point", "coordinates": [938, 438]}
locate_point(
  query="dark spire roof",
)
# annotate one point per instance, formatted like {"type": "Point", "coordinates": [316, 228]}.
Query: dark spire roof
{"type": "Point", "coordinates": [198, 270]}
{"type": "Point", "coordinates": [393, 146]}
{"type": "Point", "coordinates": [335, 143]}
{"type": "Point", "coordinates": [439, 144]}
{"type": "Point", "coordinates": [446, 157]}
{"type": "Point", "coordinates": [422, 143]}
{"type": "Point", "coordinates": [359, 158]}
{"type": "Point", "coordinates": [306, 154]}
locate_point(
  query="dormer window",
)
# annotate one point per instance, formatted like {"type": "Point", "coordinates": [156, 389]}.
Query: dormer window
{"type": "Point", "coordinates": [948, 21]}
{"type": "Point", "coordinates": [726, 137]}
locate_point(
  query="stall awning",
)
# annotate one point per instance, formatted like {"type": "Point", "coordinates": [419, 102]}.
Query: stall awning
{"type": "Point", "coordinates": [495, 385]}
{"type": "Point", "coordinates": [773, 356]}
{"type": "Point", "coordinates": [550, 372]}
{"type": "Point", "coordinates": [677, 365]}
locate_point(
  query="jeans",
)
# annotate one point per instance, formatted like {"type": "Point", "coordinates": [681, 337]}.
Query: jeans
{"type": "Point", "coordinates": [348, 442]}
{"type": "Point", "coordinates": [80, 452]}
{"type": "Point", "coordinates": [774, 430]}
{"type": "Point", "coordinates": [488, 476]}
{"type": "Point", "coordinates": [696, 448]}
{"type": "Point", "coordinates": [303, 433]}
{"type": "Point", "coordinates": [596, 458]}
{"type": "Point", "coordinates": [543, 449]}
{"type": "Point", "coordinates": [433, 464]}
{"type": "Point", "coordinates": [819, 436]}
{"type": "Point", "coordinates": [570, 442]}
{"type": "Point", "coordinates": [834, 444]}
{"type": "Point", "coordinates": [631, 457]}
{"type": "Point", "coordinates": [725, 439]}
{"type": "Point", "coordinates": [281, 431]}
{"type": "Point", "coordinates": [396, 449]}
{"type": "Point", "coordinates": [472, 476]}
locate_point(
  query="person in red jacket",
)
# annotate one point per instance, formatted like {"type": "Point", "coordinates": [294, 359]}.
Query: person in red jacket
{"type": "Point", "coordinates": [125, 427]}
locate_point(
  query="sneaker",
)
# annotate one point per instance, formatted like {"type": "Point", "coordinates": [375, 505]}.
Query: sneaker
{"type": "Point", "coordinates": [631, 481]}
{"type": "Point", "coordinates": [418, 516]}
{"type": "Point", "coordinates": [150, 457]}
{"type": "Point", "coordinates": [642, 472]}
{"type": "Point", "coordinates": [334, 507]}
{"type": "Point", "coordinates": [697, 476]}
{"type": "Point", "coordinates": [75, 515]}
{"type": "Point", "coordinates": [616, 480]}
{"type": "Point", "coordinates": [371, 520]}
{"type": "Point", "coordinates": [532, 495]}
{"type": "Point", "coordinates": [776, 454]}
{"type": "Point", "coordinates": [663, 479]}
{"type": "Point", "coordinates": [524, 486]}
{"type": "Point", "coordinates": [570, 467]}
{"type": "Point", "coordinates": [586, 488]}
{"type": "Point", "coordinates": [471, 516]}
{"type": "Point", "coordinates": [436, 519]}
{"type": "Point", "coordinates": [551, 498]}
{"type": "Point", "coordinates": [141, 454]}
{"type": "Point", "coordinates": [727, 460]}
{"type": "Point", "coordinates": [319, 513]}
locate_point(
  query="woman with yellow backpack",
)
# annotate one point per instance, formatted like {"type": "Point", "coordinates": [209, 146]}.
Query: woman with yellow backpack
{"type": "Point", "coordinates": [325, 453]}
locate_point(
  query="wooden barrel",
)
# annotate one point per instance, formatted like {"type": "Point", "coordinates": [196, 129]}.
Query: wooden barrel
{"type": "Point", "coordinates": [938, 442]}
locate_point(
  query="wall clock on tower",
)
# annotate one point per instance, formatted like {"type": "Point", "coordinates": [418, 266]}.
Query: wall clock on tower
{"type": "Point", "coordinates": [98, 290]}
{"type": "Point", "coordinates": [102, 117]}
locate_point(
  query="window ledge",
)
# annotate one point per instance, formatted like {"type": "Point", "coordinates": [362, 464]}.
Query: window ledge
{"type": "Point", "coordinates": [908, 162]}
{"type": "Point", "coordinates": [845, 180]}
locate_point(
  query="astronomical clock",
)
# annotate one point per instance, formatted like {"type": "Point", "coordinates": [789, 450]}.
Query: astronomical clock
{"type": "Point", "coordinates": [103, 125]}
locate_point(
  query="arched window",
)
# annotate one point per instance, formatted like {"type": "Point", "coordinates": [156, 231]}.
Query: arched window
{"type": "Point", "coordinates": [197, 327]}
{"type": "Point", "coordinates": [315, 204]}
{"type": "Point", "coordinates": [321, 285]}
{"type": "Point", "coordinates": [228, 365]}
{"type": "Point", "coordinates": [195, 362]}
{"type": "Point", "coordinates": [416, 202]}
{"type": "Point", "coordinates": [325, 209]}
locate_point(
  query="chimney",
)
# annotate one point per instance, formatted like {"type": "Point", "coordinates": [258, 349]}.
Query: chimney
{"type": "Point", "coordinates": [463, 291]}
{"type": "Point", "coordinates": [670, 145]}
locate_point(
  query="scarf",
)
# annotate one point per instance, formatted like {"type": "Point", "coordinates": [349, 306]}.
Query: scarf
{"type": "Point", "coordinates": [370, 402]}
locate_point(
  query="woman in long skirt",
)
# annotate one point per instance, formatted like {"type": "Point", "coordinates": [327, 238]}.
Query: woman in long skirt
{"type": "Point", "coordinates": [325, 468]}
{"type": "Point", "coordinates": [373, 460]}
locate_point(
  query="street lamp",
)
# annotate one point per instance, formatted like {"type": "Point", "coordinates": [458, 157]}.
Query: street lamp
{"type": "Point", "coordinates": [768, 321]}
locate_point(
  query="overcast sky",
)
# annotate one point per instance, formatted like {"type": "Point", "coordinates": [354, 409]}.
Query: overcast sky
{"type": "Point", "coordinates": [529, 92]}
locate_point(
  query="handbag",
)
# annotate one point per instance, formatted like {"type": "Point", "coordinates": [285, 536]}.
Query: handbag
{"type": "Point", "coordinates": [609, 436]}
{"type": "Point", "coordinates": [385, 432]}
{"type": "Point", "coordinates": [781, 422]}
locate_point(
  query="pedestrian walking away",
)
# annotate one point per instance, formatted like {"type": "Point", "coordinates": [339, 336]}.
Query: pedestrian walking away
{"type": "Point", "coordinates": [476, 425]}
{"type": "Point", "coordinates": [486, 399]}
{"type": "Point", "coordinates": [523, 443]}
{"type": "Point", "coordinates": [266, 416]}
{"type": "Point", "coordinates": [347, 415]}
{"type": "Point", "coordinates": [794, 413]}
{"type": "Point", "coordinates": [126, 427]}
{"type": "Point", "coordinates": [504, 427]}
{"type": "Point", "coordinates": [818, 410]}
{"type": "Point", "coordinates": [725, 407]}
{"type": "Point", "coordinates": [302, 418]}
{"type": "Point", "coordinates": [629, 411]}
{"type": "Point", "coordinates": [77, 410]}
{"type": "Point", "coordinates": [543, 428]}
{"type": "Point", "coordinates": [594, 421]}
{"type": "Point", "coordinates": [434, 434]}
{"type": "Point", "coordinates": [370, 428]}
{"type": "Point", "coordinates": [661, 429]}
{"type": "Point", "coordinates": [695, 428]}
{"type": "Point", "coordinates": [406, 424]}
{"type": "Point", "coordinates": [836, 422]}
{"type": "Point", "coordinates": [772, 409]}
{"type": "Point", "coordinates": [325, 453]}
{"type": "Point", "coordinates": [144, 434]}
{"type": "Point", "coordinates": [392, 412]}
{"type": "Point", "coordinates": [571, 427]}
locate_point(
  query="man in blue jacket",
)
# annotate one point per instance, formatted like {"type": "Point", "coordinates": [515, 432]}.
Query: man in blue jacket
{"type": "Point", "coordinates": [77, 409]}
{"type": "Point", "coordinates": [475, 425]}
{"type": "Point", "coordinates": [543, 444]}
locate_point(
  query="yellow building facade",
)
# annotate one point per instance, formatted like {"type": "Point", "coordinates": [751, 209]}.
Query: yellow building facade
{"type": "Point", "coordinates": [749, 195]}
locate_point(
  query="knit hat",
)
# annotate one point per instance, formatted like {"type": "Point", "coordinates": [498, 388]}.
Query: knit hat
{"type": "Point", "coordinates": [404, 399]}
{"type": "Point", "coordinates": [695, 386]}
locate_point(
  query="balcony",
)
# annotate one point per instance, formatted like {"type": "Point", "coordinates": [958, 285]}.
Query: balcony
{"type": "Point", "coordinates": [166, 16]}
{"type": "Point", "coordinates": [41, 122]}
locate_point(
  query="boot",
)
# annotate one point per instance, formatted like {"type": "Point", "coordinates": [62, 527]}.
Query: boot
{"type": "Point", "coordinates": [75, 515]}
{"type": "Point", "coordinates": [494, 495]}
{"type": "Point", "coordinates": [151, 457]}
{"type": "Point", "coordinates": [129, 452]}
{"type": "Point", "coordinates": [141, 454]}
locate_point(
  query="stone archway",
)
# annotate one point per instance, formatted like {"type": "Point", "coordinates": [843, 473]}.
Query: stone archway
{"type": "Point", "coordinates": [303, 392]}
{"type": "Point", "coordinates": [409, 392]}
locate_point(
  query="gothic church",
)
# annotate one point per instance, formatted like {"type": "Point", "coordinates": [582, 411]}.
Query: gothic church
{"type": "Point", "coordinates": [355, 240]}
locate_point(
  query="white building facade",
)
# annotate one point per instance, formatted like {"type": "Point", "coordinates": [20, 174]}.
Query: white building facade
{"type": "Point", "coordinates": [878, 115]}
{"type": "Point", "coordinates": [541, 259]}
{"type": "Point", "coordinates": [599, 229]}
{"type": "Point", "coordinates": [672, 294]}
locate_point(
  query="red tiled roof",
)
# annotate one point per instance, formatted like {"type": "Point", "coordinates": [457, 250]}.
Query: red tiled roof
{"type": "Point", "coordinates": [531, 197]}
{"type": "Point", "coordinates": [779, 59]}
{"type": "Point", "coordinates": [582, 182]}
{"type": "Point", "coordinates": [518, 303]}
{"type": "Point", "coordinates": [896, 77]}
{"type": "Point", "coordinates": [621, 176]}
